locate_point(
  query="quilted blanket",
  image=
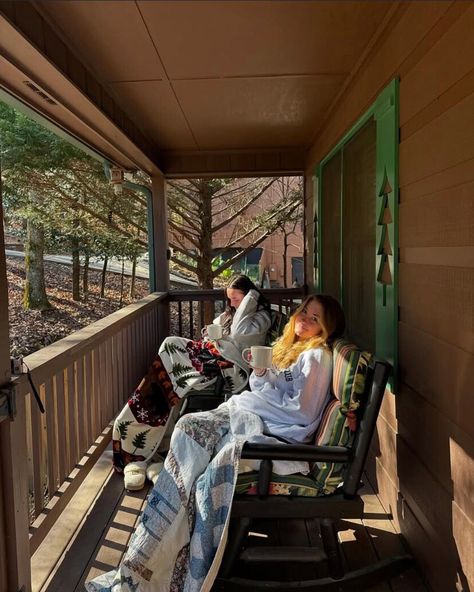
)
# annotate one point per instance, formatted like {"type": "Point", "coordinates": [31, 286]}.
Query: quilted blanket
{"type": "Point", "coordinates": [179, 541]}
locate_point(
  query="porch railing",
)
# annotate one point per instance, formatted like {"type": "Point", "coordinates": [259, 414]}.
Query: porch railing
{"type": "Point", "coordinates": [83, 381]}
{"type": "Point", "coordinates": [187, 307]}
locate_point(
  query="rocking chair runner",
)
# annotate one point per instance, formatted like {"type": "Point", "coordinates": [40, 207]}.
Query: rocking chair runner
{"type": "Point", "coordinates": [308, 497]}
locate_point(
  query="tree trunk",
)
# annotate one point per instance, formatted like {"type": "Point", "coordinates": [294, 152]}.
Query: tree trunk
{"type": "Point", "coordinates": [121, 281]}
{"type": "Point", "coordinates": [104, 272]}
{"type": "Point", "coordinates": [85, 276]}
{"type": "Point", "coordinates": [76, 270]}
{"type": "Point", "coordinates": [34, 294]}
{"type": "Point", "coordinates": [204, 265]}
{"type": "Point", "coordinates": [131, 293]}
{"type": "Point", "coordinates": [285, 250]}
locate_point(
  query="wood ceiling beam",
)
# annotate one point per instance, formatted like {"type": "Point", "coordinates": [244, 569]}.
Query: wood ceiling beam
{"type": "Point", "coordinates": [232, 163]}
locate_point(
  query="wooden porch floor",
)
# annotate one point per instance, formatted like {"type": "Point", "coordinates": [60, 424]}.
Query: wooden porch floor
{"type": "Point", "coordinates": [93, 532]}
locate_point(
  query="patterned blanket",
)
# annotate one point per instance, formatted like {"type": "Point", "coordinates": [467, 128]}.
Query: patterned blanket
{"type": "Point", "coordinates": [179, 541]}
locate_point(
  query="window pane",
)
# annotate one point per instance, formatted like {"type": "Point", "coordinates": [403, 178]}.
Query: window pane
{"type": "Point", "coordinates": [331, 227]}
{"type": "Point", "coordinates": [358, 236]}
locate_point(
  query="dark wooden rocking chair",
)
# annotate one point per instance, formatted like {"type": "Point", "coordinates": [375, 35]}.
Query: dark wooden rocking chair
{"type": "Point", "coordinates": [343, 503]}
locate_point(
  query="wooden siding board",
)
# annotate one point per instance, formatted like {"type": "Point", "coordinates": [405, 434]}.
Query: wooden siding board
{"type": "Point", "coordinates": [444, 142]}
{"type": "Point", "coordinates": [450, 178]}
{"type": "Point", "coordinates": [442, 256]}
{"type": "Point", "coordinates": [439, 372]}
{"type": "Point", "coordinates": [463, 530]}
{"type": "Point", "coordinates": [461, 452]}
{"type": "Point", "coordinates": [446, 62]}
{"type": "Point", "coordinates": [429, 500]}
{"type": "Point", "coordinates": [441, 575]}
{"type": "Point", "coordinates": [448, 302]}
{"type": "Point", "coordinates": [445, 218]}
{"type": "Point", "coordinates": [384, 447]}
{"type": "Point", "coordinates": [388, 410]}
{"type": "Point", "coordinates": [448, 456]}
{"type": "Point", "coordinates": [438, 105]}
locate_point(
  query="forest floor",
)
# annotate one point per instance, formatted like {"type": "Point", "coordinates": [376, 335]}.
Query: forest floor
{"type": "Point", "coordinates": [32, 330]}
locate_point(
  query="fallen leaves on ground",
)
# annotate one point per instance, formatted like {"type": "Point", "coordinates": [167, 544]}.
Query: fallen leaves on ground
{"type": "Point", "coordinates": [32, 330]}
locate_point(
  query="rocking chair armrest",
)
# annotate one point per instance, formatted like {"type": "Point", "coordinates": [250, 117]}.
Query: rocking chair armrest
{"type": "Point", "coordinates": [301, 452]}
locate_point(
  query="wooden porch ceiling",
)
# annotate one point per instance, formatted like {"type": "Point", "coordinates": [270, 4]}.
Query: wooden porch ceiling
{"type": "Point", "coordinates": [203, 86]}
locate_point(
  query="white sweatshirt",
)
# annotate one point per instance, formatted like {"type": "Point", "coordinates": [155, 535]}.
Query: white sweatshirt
{"type": "Point", "coordinates": [291, 402]}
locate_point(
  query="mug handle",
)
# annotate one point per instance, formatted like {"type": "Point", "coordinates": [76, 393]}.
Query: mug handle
{"type": "Point", "coordinates": [244, 358]}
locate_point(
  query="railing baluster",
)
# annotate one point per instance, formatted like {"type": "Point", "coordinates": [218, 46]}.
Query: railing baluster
{"type": "Point", "coordinates": [88, 399]}
{"type": "Point", "coordinates": [81, 403]}
{"type": "Point", "coordinates": [71, 414]}
{"type": "Point", "coordinates": [95, 406]}
{"type": "Point", "coordinates": [61, 427]}
{"type": "Point", "coordinates": [37, 454]}
{"type": "Point", "coordinates": [124, 362]}
{"type": "Point", "coordinates": [120, 371]}
{"type": "Point", "coordinates": [51, 445]}
{"type": "Point", "coordinates": [102, 387]}
{"type": "Point", "coordinates": [191, 319]}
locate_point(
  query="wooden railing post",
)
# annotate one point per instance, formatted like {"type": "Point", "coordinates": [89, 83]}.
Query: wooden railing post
{"type": "Point", "coordinates": [14, 485]}
{"type": "Point", "coordinates": [14, 544]}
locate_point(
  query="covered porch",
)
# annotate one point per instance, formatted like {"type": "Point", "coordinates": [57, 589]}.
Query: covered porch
{"type": "Point", "coordinates": [204, 89]}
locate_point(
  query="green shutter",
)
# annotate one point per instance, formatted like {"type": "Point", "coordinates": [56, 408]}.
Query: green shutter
{"type": "Point", "coordinates": [385, 113]}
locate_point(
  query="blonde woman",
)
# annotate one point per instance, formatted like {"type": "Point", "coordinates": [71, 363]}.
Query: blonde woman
{"type": "Point", "coordinates": [179, 539]}
{"type": "Point", "coordinates": [291, 397]}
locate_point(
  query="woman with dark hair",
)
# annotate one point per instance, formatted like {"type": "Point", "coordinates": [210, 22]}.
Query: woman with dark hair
{"type": "Point", "coordinates": [238, 287]}
{"type": "Point", "coordinates": [179, 541]}
{"type": "Point", "coordinates": [182, 365]}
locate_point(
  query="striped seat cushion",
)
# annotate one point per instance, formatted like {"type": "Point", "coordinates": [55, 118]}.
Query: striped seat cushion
{"type": "Point", "coordinates": [339, 422]}
{"type": "Point", "coordinates": [337, 428]}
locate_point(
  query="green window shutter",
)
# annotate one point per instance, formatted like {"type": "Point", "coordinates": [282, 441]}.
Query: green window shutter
{"type": "Point", "coordinates": [384, 112]}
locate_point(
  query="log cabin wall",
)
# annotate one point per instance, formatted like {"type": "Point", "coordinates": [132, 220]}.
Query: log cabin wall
{"type": "Point", "coordinates": [424, 449]}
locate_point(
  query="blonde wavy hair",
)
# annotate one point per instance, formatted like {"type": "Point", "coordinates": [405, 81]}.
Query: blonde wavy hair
{"type": "Point", "coordinates": [287, 348]}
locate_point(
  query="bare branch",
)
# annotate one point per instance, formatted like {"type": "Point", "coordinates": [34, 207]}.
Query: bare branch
{"type": "Point", "coordinates": [244, 207]}
{"type": "Point", "coordinates": [183, 192]}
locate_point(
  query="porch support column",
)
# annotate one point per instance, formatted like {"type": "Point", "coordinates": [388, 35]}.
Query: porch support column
{"type": "Point", "coordinates": [14, 537]}
{"type": "Point", "coordinates": [159, 237]}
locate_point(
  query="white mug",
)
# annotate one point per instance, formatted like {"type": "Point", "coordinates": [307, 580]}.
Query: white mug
{"type": "Point", "coordinates": [214, 331]}
{"type": "Point", "coordinates": [260, 356]}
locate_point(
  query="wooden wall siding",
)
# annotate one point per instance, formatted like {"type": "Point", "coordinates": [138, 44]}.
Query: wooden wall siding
{"type": "Point", "coordinates": [425, 444]}
{"type": "Point", "coordinates": [83, 381]}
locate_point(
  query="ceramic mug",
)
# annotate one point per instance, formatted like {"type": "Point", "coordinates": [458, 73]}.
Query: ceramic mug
{"type": "Point", "coordinates": [260, 356]}
{"type": "Point", "coordinates": [214, 331]}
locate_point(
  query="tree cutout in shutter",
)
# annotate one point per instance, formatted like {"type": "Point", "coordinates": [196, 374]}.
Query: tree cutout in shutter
{"type": "Point", "coordinates": [384, 275]}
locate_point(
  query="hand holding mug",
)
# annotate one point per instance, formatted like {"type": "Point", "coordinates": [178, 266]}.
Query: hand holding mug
{"type": "Point", "coordinates": [258, 356]}
{"type": "Point", "coordinates": [214, 331]}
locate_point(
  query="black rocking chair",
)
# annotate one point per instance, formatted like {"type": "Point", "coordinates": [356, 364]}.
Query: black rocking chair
{"type": "Point", "coordinates": [344, 503]}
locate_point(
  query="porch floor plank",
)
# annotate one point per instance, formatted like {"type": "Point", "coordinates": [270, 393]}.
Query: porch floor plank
{"type": "Point", "coordinates": [109, 550]}
{"type": "Point", "coordinates": [93, 539]}
{"type": "Point", "coordinates": [44, 562]}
